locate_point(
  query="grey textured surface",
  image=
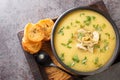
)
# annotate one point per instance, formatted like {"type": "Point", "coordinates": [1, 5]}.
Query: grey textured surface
{"type": "Point", "coordinates": [14, 14]}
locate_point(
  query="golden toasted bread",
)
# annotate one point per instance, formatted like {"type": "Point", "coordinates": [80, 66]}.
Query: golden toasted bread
{"type": "Point", "coordinates": [31, 47]}
{"type": "Point", "coordinates": [24, 47]}
{"type": "Point", "coordinates": [34, 32]}
{"type": "Point", "coordinates": [25, 38]}
{"type": "Point", "coordinates": [46, 25]}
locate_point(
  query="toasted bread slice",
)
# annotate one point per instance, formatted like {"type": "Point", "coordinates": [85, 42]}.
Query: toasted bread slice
{"type": "Point", "coordinates": [24, 47]}
{"type": "Point", "coordinates": [34, 32]}
{"type": "Point", "coordinates": [46, 25]}
{"type": "Point", "coordinates": [25, 31]}
{"type": "Point", "coordinates": [31, 47]}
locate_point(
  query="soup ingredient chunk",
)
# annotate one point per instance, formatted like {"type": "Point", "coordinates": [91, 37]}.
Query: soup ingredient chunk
{"type": "Point", "coordinates": [87, 39]}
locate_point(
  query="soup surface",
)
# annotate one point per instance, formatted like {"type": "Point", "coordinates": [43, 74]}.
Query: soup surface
{"type": "Point", "coordinates": [84, 40]}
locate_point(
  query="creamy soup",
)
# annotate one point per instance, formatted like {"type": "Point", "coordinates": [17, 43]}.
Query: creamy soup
{"type": "Point", "coordinates": [84, 40]}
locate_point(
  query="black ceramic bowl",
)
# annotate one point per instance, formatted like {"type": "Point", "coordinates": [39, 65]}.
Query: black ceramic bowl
{"type": "Point", "coordinates": [109, 63]}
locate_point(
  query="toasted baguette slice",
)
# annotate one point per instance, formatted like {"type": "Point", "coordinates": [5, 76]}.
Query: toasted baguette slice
{"type": "Point", "coordinates": [31, 47]}
{"type": "Point", "coordinates": [46, 25]}
{"type": "Point", "coordinates": [34, 32]}
{"type": "Point", "coordinates": [25, 31]}
{"type": "Point", "coordinates": [23, 46]}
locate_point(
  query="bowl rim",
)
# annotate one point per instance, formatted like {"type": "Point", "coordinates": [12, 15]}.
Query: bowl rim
{"type": "Point", "coordinates": [116, 50]}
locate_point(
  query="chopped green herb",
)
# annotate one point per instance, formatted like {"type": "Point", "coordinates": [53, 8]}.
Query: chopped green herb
{"type": "Point", "coordinates": [105, 47]}
{"type": "Point", "coordinates": [61, 31]}
{"type": "Point", "coordinates": [69, 46]}
{"type": "Point", "coordinates": [105, 42]}
{"type": "Point", "coordinates": [71, 23]}
{"type": "Point", "coordinates": [68, 27]}
{"type": "Point", "coordinates": [77, 21]}
{"type": "Point", "coordinates": [96, 46]}
{"type": "Point", "coordinates": [63, 44]}
{"type": "Point", "coordinates": [93, 17]}
{"type": "Point", "coordinates": [68, 43]}
{"type": "Point", "coordinates": [72, 35]}
{"type": "Point", "coordinates": [62, 56]}
{"type": "Point", "coordinates": [96, 61]}
{"type": "Point", "coordinates": [102, 50]}
{"type": "Point", "coordinates": [71, 64]}
{"type": "Point", "coordinates": [80, 35]}
{"type": "Point", "coordinates": [82, 14]}
{"type": "Point", "coordinates": [107, 34]}
{"type": "Point", "coordinates": [97, 27]}
{"type": "Point", "coordinates": [84, 60]}
{"type": "Point", "coordinates": [82, 26]}
{"type": "Point", "coordinates": [75, 58]}
{"type": "Point", "coordinates": [104, 26]}
{"type": "Point", "coordinates": [88, 20]}
{"type": "Point", "coordinates": [99, 65]}
{"type": "Point", "coordinates": [87, 23]}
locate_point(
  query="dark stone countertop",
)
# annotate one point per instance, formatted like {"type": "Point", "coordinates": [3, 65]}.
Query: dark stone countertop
{"type": "Point", "coordinates": [15, 14]}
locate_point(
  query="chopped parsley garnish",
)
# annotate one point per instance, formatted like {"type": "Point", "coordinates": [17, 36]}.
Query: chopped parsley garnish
{"type": "Point", "coordinates": [72, 35]}
{"type": "Point", "coordinates": [63, 44]}
{"type": "Point", "coordinates": [96, 46]}
{"type": "Point", "coordinates": [82, 26]}
{"type": "Point", "coordinates": [104, 25]}
{"type": "Point", "coordinates": [97, 27]}
{"type": "Point", "coordinates": [77, 21]}
{"type": "Point", "coordinates": [105, 42]}
{"type": "Point", "coordinates": [93, 17]}
{"type": "Point", "coordinates": [82, 14]}
{"type": "Point", "coordinates": [99, 65]}
{"type": "Point", "coordinates": [107, 34]}
{"type": "Point", "coordinates": [105, 47]}
{"type": "Point", "coordinates": [61, 31]}
{"type": "Point", "coordinates": [71, 64]}
{"type": "Point", "coordinates": [69, 41]}
{"type": "Point", "coordinates": [68, 27]}
{"type": "Point", "coordinates": [71, 23]}
{"type": "Point", "coordinates": [67, 44]}
{"type": "Point", "coordinates": [88, 20]}
{"type": "Point", "coordinates": [96, 61]}
{"type": "Point", "coordinates": [84, 60]}
{"type": "Point", "coordinates": [75, 58]}
{"type": "Point", "coordinates": [61, 56]}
